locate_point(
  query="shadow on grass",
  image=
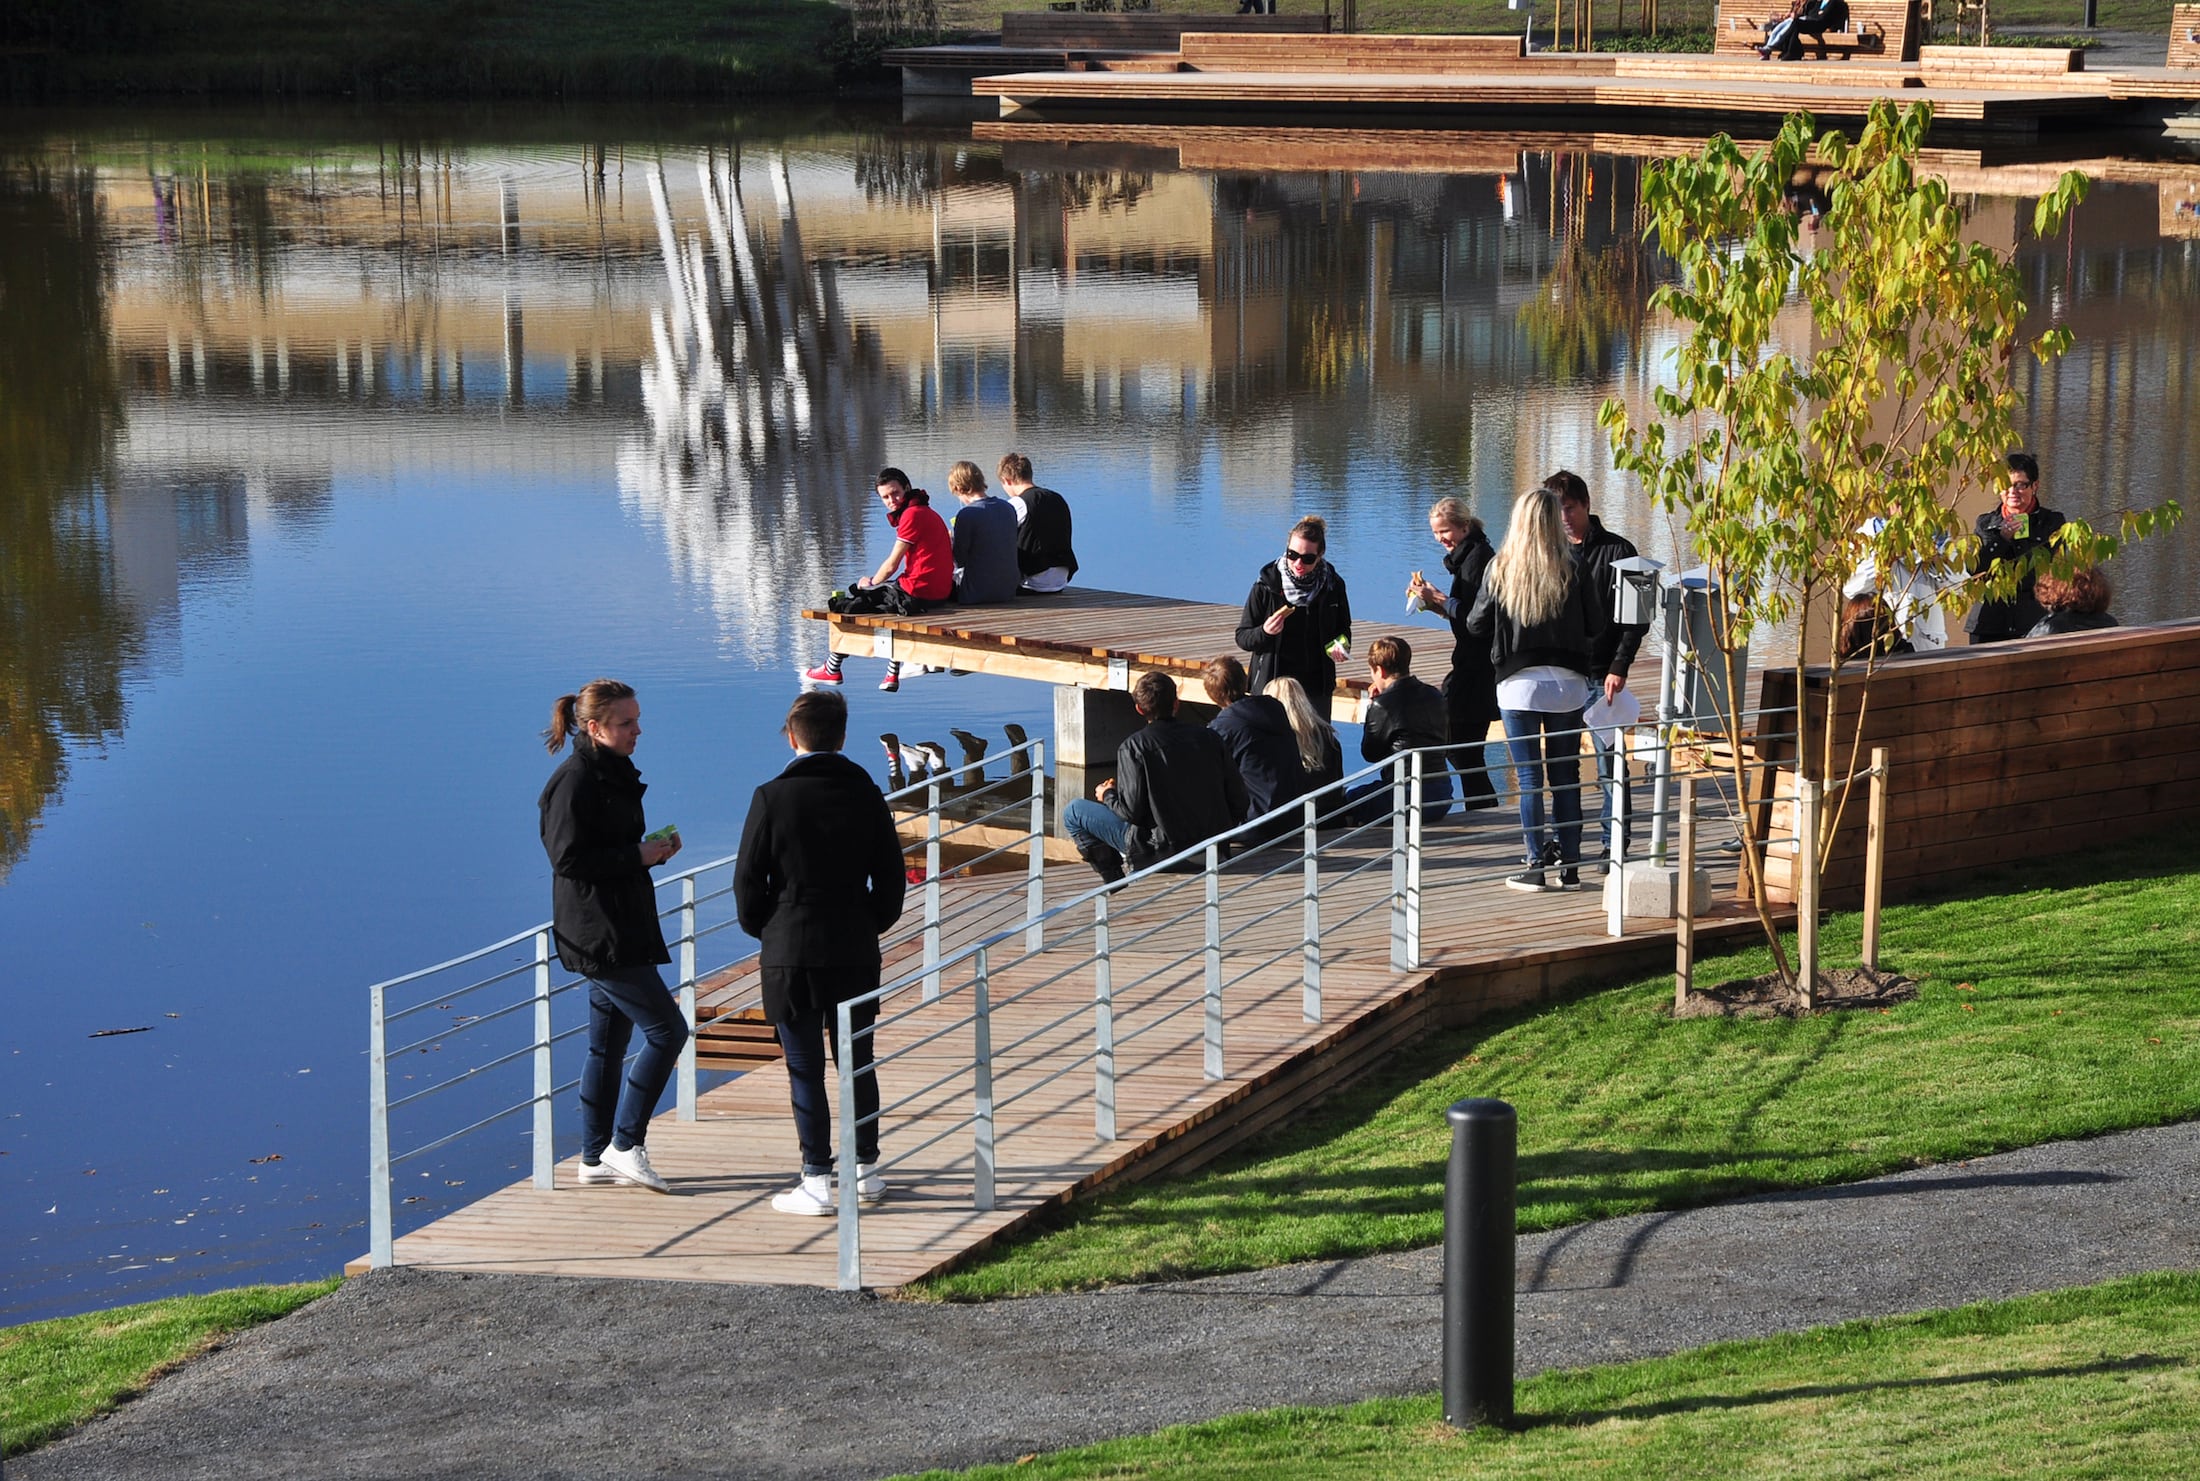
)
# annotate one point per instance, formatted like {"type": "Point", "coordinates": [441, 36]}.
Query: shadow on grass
{"type": "Point", "coordinates": [2138, 1362]}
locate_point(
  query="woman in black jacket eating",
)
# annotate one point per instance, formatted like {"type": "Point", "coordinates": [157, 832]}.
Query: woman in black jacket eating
{"type": "Point", "coordinates": [603, 909]}
{"type": "Point", "coordinates": [1470, 689]}
{"type": "Point", "coordinates": [1297, 620]}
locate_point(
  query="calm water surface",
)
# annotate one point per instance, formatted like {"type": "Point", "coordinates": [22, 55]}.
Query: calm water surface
{"type": "Point", "coordinates": [331, 450]}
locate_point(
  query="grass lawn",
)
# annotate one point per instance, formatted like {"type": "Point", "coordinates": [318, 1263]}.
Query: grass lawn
{"type": "Point", "coordinates": [2061, 1002]}
{"type": "Point", "coordinates": [55, 1375]}
{"type": "Point", "coordinates": [2101, 1381]}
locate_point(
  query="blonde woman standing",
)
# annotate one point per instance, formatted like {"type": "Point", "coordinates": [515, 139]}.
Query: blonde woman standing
{"type": "Point", "coordinates": [1540, 620]}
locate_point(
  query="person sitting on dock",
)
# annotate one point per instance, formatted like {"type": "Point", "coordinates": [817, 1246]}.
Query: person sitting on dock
{"type": "Point", "coordinates": [1043, 528]}
{"type": "Point", "coordinates": [2010, 531]}
{"type": "Point", "coordinates": [984, 540]}
{"type": "Point", "coordinates": [819, 879]}
{"type": "Point", "coordinates": [1256, 731]}
{"type": "Point", "coordinates": [1404, 713]}
{"type": "Point", "coordinates": [1297, 618]}
{"type": "Point", "coordinates": [1321, 758]}
{"type": "Point", "coordinates": [2079, 605]}
{"type": "Point", "coordinates": [1174, 787]}
{"type": "Point", "coordinates": [918, 572]}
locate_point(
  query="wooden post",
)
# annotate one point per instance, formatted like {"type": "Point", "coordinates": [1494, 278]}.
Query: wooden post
{"type": "Point", "coordinates": [1807, 798]}
{"type": "Point", "coordinates": [1875, 857]}
{"type": "Point", "coordinates": [1684, 897]}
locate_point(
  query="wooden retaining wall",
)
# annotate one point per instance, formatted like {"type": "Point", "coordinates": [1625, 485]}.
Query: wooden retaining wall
{"type": "Point", "coordinates": [2013, 751]}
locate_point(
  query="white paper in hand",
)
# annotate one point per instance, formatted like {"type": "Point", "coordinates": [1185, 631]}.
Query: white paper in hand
{"type": "Point", "coordinates": [1616, 713]}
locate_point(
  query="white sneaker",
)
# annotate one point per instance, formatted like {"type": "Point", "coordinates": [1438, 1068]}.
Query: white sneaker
{"type": "Point", "coordinates": [870, 1187]}
{"type": "Point", "coordinates": [632, 1166]}
{"type": "Point", "coordinates": [812, 1197]}
{"type": "Point", "coordinates": [595, 1172]}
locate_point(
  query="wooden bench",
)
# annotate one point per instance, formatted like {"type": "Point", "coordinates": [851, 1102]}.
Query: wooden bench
{"type": "Point", "coordinates": [1210, 52]}
{"type": "Point", "coordinates": [1881, 30]}
{"type": "Point", "coordinates": [1996, 66]}
{"type": "Point", "coordinates": [2184, 36]}
{"type": "Point", "coordinates": [1138, 30]}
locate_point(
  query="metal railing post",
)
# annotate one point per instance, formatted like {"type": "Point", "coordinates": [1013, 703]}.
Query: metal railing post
{"type": "Point", "coordinates": [1669, 714]}
{"type": "Point", "coordinates": [685, 1078]}
{"type": "Point", "coordinates": [545, 1138]}
{"type": "Point", "coordinates": [1310, 950]}
{"type": "Point", "coordinates": [1414, 824]}
{"type": "Point", "coordinates": [1615, 834]}
{"type": "Point", "coordinates": [1400, 959]}
{"type": "Point", "coordinates": [379, 1238]}
{"type": "Point", "coordinates": [981, 1064]}
{"type": "Point", "coordinates": [1103, 1024]}
{"type": "Point", "coordinates": [1035, 879]}
{"type": "Point", "coordinates": [1213, 954]}
{"type": "Point", "coordinates": [931, 892]}
{"type": "Point", "coordinates": [851, 1210]}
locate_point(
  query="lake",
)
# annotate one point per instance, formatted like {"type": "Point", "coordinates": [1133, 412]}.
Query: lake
{"type": "Point", "coordinates": [334, 445]}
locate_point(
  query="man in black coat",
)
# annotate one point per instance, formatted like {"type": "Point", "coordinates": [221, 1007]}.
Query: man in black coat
{"type": "Point", "coordinates": [1256, 731]}
{"type": "Point", "coordinates": [1403, 714]}
{"type": "Point", "coordinates": [818, 880]}
{"type": "Point", "coordinates": [1174, 787]}
{"type": "Point", "coordinates": [1044, 552]}
{"type": "Point", "coordinates": [2010, 531]}
{"type": "Point", "coordinates": [1612, 650]}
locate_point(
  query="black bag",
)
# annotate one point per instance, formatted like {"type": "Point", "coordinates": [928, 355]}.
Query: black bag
{"type": "Point", "coordinates": [866, 600]}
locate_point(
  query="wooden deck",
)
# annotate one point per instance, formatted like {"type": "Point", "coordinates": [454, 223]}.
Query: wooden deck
{"type": "Point", "coordinates": [1485, 946]}
{"type": "Point", "coordinates": [1096, 639]}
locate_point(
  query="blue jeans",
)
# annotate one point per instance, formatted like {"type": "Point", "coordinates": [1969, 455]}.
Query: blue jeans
{"type": "Point", "coordinates": [1609, 758]}
{"type": "Point", "coordinates": [1546, 750]}
{"type": "Point", "coordinates": [1088, 823]}
{"type": "Point", "coordinates": [620, 1001]}
{"type": "Point", "coordinates": [805, 1039]}
{"type": "Point", "coordinates": [1371, 799]}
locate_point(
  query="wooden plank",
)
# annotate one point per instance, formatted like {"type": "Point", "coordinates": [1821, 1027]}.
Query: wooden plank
{"type": "Point", "coordinates": [1140, 30]}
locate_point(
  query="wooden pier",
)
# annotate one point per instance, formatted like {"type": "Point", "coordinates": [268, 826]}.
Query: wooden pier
{"type": "Point", "coordinates": [1485, 948]}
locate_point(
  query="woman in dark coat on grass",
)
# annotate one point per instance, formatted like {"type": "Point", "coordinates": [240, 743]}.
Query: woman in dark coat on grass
{"type": "Point", "coordinates": [1298, 621]}
{"type": "Point", "coordinates": [1470, 689]}
{"type": "Point", "coordinates": [603, 909]}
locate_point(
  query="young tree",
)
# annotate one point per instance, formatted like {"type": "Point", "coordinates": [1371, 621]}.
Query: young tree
{"type": "Point", "coordinates": [1794, 472]}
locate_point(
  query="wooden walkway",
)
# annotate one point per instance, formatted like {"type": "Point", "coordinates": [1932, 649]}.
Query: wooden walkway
{"type": "Point", "coordinates": [1095, 639]}
{"type": "Point", "coordinates": [718, 1224]}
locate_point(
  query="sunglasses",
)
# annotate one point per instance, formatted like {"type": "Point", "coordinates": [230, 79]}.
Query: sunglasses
{"type": "Point", "coordinates": [1302, 557]}
{"type": "Point", "coordinates": [2022, 485]}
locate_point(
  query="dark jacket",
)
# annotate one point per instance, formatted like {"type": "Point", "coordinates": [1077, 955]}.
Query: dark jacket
{"type": "Point", "coordinates": [1175, 786]}
{"type": "Point", "coordinates": [819, 878]}
{"type": "Point", "coordinates": [1256, 731]}
{"type": "Point", "coordinates": [2056, 623]}
{"type": "Point", "coordinates": [1300, 651]}
{"type": "Point", "coordinates": [1408, 715]}
{"type": "Point", "coordinates": [1614, 650]}
{"type": "Point", "coordinates": [603, 906]}
{"type": "Point", "coordinates": [1470, 689]}
{"type": "Point", "coordinates": [1565, 641]}
{"type": "Point", "coordinates": [1990, 622]}
{"type": "Point", "coordinates": [1043, 538]}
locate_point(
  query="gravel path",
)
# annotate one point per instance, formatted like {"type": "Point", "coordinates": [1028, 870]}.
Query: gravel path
{"type": "Point", "coordinates": [405, 1374]}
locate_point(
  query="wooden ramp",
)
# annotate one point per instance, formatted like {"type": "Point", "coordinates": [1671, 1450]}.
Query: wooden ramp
{"type": "Point", "coordinates": [1485, 945]}
{"type": "Point", "coordinates": [1093, 639]}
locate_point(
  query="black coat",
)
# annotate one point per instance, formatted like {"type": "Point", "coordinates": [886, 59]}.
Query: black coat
{"type": "Point", "coordinates": [1565, 641]}
{"type": "Point", "coordinates": [1614, 649]}
{"type": "Point", "coordinates": [2054, 624]}
{"type": "Point", "coordinates": [818, 880]}
{"type": "Point", "coordinates": [1176, 786]}
{"type": "Point", "coordinates": [1043, 538]}
{"type": "Point", "coordinates": [603, 906]}
{"type": "Point", "coordinates": [1257, 733]}
{"type": "Point", "coordinates": [1990, 622]}
{"type": "Point", "coordinates": [1470, 689]}
{"type": "Point", "coordinates": [1407, 716]}
{"type": "Point", "coordinates": [1300, 651]}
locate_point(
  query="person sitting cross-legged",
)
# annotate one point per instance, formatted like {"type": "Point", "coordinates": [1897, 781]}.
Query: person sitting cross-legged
{"type": "Point", "coordinates": [1175, 786]}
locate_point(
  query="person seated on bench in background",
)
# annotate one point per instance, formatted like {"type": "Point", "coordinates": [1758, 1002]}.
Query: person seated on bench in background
{"type": "Point", "coordinates": [1256, 731]}
{"type": "Point", "coordinates": [1868, 626]}
{"type": "Point", "coordinates": [1777, 28]}
{"type": "Point", "coordinates": [1818, 17]}
{"type": "Point", "coordinates": [1321, 758]}
{"type": "Point", "coordinates": [984, 537]}
{"type": "Point", "coordinates": [1403, 714]}
{"type": "Point", "coordinates": [1043, 527]}
{"type": "Point", "coordinates": [2079, 605]}
{"type": "Point", "coordinates": [1174, 787]}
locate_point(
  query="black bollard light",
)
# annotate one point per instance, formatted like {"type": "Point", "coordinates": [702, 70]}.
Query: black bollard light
{"type": "Point", "coordinates": [1478, 1264]}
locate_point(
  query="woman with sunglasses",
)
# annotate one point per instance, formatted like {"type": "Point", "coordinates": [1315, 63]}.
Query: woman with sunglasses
{"type": "Point", "coordinates": [1298, 621]}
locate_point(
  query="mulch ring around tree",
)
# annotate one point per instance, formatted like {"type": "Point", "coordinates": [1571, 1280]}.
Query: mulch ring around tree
{"type": "Point", "coordinates": [1767, 997]}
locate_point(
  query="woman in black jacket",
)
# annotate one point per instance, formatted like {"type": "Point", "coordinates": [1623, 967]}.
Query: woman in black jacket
{"type": "Point", "coordinates": [1470, 689]}
{"type": "Point", "coordinates": [1540, 620]}
{"type": "Point", "coordinates": [603, 909]}
{"type": "Point", "coordinates": [1297, 621]}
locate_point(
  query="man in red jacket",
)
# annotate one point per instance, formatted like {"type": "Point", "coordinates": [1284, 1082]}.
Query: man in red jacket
{"type": "Point", "coordinates": [918, 572]}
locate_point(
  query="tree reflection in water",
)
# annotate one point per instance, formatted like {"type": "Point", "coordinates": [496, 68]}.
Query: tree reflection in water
{"type": "Point", "coordinates": [65, 638]}
{"type": "Point", "coordinates": [1596, 295]}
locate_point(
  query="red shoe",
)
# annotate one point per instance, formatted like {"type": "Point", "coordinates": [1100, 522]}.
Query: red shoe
{"type": "Point", "coordinates": [822, 674]}
{"type": "Point", "coordinates": [889, 685]}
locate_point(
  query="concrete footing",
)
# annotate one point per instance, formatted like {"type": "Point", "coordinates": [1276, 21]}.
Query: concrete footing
{"type": "Point", "coordinates": [1651, 890]}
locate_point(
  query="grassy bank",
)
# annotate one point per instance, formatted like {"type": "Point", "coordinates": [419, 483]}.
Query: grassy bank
{"type": "Point", "coordinates": [2102, 1381]}
{"type": "Point", "coordinates": [2057, 1003]}
{"type": "Point", "coordinates": [435, 48]}
{"type": "Point", "coordinates": [55, 1375]}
